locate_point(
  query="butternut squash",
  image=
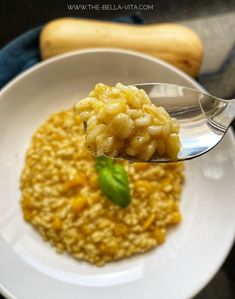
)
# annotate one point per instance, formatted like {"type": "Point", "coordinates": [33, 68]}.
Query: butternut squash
{"type": "Point", "coordinates": [171, 42]}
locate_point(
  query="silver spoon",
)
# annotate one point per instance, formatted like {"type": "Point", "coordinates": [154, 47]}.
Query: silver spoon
{"type": "Point", "coordinates": [203, 118]}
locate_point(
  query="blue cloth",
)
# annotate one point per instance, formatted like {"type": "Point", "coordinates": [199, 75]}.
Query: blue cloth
{"type": "Point", "coordinates": [18, 55]}
{"type": "Point", "coordinates": [23, 52]}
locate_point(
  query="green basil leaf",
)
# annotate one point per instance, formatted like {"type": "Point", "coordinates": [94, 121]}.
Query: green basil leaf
{"type": "Point", "coordinates": [114, 184]}
{"type": "Point", "coordinates": [102, 162]}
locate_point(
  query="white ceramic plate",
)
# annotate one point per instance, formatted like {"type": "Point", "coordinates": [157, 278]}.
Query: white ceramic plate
{"type": "Point", "coordinates": [193, 252]}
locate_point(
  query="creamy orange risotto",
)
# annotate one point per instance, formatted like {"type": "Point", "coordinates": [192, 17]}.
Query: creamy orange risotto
{"type": "Point", "coordinates": [65, 196]}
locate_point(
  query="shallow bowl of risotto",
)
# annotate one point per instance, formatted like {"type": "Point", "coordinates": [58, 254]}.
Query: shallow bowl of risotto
{"type": "Point", "coordinates": [62, 235]}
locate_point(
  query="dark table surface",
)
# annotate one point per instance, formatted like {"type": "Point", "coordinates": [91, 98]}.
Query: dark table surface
{"type": "Point", "coordinates": [213, 20]}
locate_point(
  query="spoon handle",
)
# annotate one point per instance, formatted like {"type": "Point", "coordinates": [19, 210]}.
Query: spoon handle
{"type": "Point", "coordinates": [220, 113]}
{"type": "Point", "coordinates": [231, 109]}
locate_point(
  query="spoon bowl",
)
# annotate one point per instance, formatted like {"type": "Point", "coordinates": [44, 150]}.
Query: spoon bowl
{"type": "Point", "coordinates": [203, 119]}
